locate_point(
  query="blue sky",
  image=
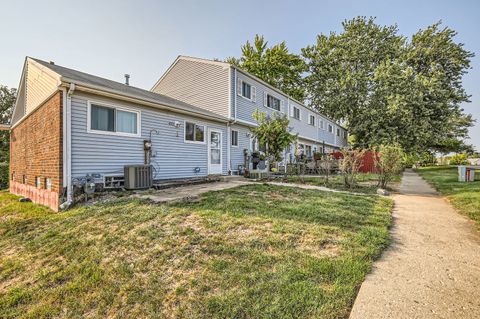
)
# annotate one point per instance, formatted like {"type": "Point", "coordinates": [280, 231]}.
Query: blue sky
{"type": "Point", "coordinates": [111, 38]}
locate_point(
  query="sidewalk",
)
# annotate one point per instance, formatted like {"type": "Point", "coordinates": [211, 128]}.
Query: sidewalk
{"type": "Point", "coordinates": [432, 268]}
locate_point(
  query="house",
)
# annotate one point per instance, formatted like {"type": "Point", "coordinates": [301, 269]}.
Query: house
{"type": "Point", "coordinates": [67, 125]}
{"type": "Point", "coordinates": [229, 91]}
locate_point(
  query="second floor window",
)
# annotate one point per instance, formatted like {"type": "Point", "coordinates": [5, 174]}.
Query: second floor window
{"type": "Point", "coordinates": [311, 120]}
{"type": "Point", "coordinates": [246, 90]}
{"type": "Point", "coordinates": [338, 132]}
{"type": "Point", "coordinates": [330, 128]}
{"type": "Point", "coordinates": [321, 125]}
{"type": "Point", "coordinates": [273, 102]}
{"type": "Point", "coordinates": [296, 113]}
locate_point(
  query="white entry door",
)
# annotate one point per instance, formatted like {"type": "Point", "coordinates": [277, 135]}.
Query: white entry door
{"type": "Point", "coordinates": [214, 151]}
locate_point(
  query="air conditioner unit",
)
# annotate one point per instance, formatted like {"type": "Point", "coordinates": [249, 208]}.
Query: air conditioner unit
{"type": "Point", "coordinates": [138, 176]}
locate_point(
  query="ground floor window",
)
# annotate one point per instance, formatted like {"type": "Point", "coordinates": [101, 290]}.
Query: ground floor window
{"type": "Point", "coordinates": [194, 132]}
{"type": "Point", "coordinates": [109, 119]}
{"type": "Point", "coordinates": [234, 138]}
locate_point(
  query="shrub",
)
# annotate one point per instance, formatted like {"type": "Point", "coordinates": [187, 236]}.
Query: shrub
{"type": "Point", "coordinates": [3, 175]}
{"type": "Point", "coordinates": [459, 159]}
{"type": "Point", "coordinates": [389, 163]}
{"type": "Point", "coordinates": [350, 165]}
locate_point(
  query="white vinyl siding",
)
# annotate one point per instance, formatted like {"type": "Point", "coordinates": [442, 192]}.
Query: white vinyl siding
{"type": "Point", "coordinates": [202, 84]}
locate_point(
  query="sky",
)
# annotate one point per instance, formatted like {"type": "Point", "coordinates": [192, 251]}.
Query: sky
{"type": "Point", "coordinates": [142, 38]}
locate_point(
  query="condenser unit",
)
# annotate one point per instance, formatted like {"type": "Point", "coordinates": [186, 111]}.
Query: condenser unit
{"type": "Point", "coordinates": [138, 176]}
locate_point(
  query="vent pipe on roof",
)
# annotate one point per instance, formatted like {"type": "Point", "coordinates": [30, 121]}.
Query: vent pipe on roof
{"type": "Point", "coordinates": [127, 79]}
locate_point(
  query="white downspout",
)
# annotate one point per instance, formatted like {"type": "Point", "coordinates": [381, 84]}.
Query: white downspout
{"type": "Point", "coordinates": [67, 145]}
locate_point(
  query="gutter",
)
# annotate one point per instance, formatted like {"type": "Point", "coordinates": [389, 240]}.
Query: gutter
{"type": "Point", "coordinates": [67, 144]}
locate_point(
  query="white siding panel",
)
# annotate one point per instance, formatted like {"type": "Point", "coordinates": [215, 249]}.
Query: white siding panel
{"type": "Point", "coordinates": [39, 86]}
{"type": "Point", "coordinates": [198, 83]}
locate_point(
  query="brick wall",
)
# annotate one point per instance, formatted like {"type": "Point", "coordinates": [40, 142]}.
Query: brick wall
{"type": "Point", "coordinates": [36, 151]}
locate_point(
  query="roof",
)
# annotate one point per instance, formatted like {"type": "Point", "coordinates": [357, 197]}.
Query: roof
{"type": "Point", "coordinates": [223, 63]}
{"type": "Point", "coordinates": [81, 78]}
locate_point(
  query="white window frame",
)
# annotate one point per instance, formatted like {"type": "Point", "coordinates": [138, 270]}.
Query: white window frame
{"type": "Point", "coordinates": [253, 90]}
{"type": "Point", "coordinates": [310, 117]}
{"type": "Point", "coordinates": [321, 124]}
{"type": "Point", "coordinates": [196, 124]}
{"type": "Point", "coordinates": [231, 138]}
{"type": "Point", "coordinates": [280, 102]}
{"type": "Point", "coordinates": [338, 132]}
{"type": "Point", "coordinates": [293, 112]}
{"type": "Point", "coordinates": [116, 107]}
{"type": "Point", "coordinates": [330, 128]}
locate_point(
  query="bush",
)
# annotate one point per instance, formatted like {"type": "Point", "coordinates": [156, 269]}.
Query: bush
{"type": "Point", "coordinates": [3, 175]}
{"type": "Point", "coordinates": [459, 159]}
{"type": "Point", "coordinates": [389, 162]}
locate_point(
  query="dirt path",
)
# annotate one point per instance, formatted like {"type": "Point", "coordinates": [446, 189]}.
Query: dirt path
{"type": "Point", "coordinates": [432, 269]}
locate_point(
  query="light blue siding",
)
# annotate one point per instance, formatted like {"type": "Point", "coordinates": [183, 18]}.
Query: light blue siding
{"type": "Point", "coordinates": [312, 133]}
{"type": "Point", "coordinates": [107, 154]}
{"type": "Point", "coordinates": [237, 157]}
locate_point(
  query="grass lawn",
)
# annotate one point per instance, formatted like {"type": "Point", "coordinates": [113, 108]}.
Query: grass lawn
{"type": "Point", "coordinates": [255, 251]}
{"type": "Point", "coordinates": [465, 197]}
{"type": "Point", "coordinates": [367, 182]}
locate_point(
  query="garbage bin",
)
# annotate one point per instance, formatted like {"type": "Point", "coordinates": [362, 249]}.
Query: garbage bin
{"type": "Point", "coordinates": [466, 174]}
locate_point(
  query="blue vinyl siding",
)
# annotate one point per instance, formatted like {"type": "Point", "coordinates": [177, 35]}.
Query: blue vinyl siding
{"type": "Point", "coordinates": [236, 153]}
{"type": "Point", "coordinates": [107, 154]}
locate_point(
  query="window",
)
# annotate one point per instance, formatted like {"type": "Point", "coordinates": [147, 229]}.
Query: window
{"type": "Point", "coordinates": [321, 125]}
{"type": "Point", "coordinates": [48, 184]}
{"type": "Point", "coordinates": [311, 120]}
{"type": "Point", "coordinates": [273, 102]}
{"type": "Point", "coordinates": [345, 134]}
{"type": "Point", "coordinates": [113, 120]}
{"type": "Point", "coordinates": [38, 182]}
{"type": "Point", "coordinates": [338, 132]}
{"type": "Point", "coordinates": [234, 138]}
{"type": "Point", "coordinates": [246, 90]}
{"type": "Point", "coordinates": [24, 179]}
{"type": "Point", "coordinates": [308, 150]}
{"type": "Point", "coordinates": [296, 113]}
{"type": "Point", "coordinates": [194, 132]}
{"type": "Point", "coordinates": [330, 128]}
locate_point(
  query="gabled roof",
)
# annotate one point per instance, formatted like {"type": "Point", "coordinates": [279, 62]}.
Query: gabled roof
{"type": "Point", "coordinates": [227, 64]}
{"type": "Point", "coordinates": [102, 84]}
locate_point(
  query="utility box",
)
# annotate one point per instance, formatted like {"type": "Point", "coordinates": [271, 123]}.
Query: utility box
{"type": "Point", "coordinates": [466, 174]}
{"type": "Point", "coordinates": [138, 176]}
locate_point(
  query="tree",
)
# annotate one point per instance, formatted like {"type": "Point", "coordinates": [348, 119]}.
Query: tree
{"type": "Point", "coordinates": [388, 89]}
{"type": "Point", "coordinates": [274, 65]}
{"type": "Point", "coordinates": [7, 101]}
{"type": "Point", "coordinates": [389, 163]}
{"type": "Point", "coordinates": [273, 132]}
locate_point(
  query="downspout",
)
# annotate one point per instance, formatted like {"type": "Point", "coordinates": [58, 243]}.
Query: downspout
{"type": "Point", "coordinates": [67, 145]}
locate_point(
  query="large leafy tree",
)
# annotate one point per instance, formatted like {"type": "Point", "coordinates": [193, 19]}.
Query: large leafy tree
{"type": "Point", "coordinates": [274, 65]}
{"type": "Point", "coordinates": [7, 101]}
{"type": "Point", "coordinates": [389, 89]}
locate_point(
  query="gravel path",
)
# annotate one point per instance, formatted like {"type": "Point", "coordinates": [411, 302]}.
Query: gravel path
{"type": "Point", "coordinates": [432, 268]}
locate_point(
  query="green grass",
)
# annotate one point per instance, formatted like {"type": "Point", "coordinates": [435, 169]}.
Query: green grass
{"type": "Point", "coordinates": [465, 197]}
{"type": "Point", "coordinates": [367, 182]}
{"type": "Point", "coordinates": [255, 251]}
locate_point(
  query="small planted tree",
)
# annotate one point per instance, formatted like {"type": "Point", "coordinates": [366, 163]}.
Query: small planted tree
{"type": "Point", "coordinates": [325, 165]}
{"type": "Point", "coordinates": [273, 132]}
{"type": "Point", "coordinates": [389, 162]}
{"type": "Point", "coordinates": [350, 165]}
